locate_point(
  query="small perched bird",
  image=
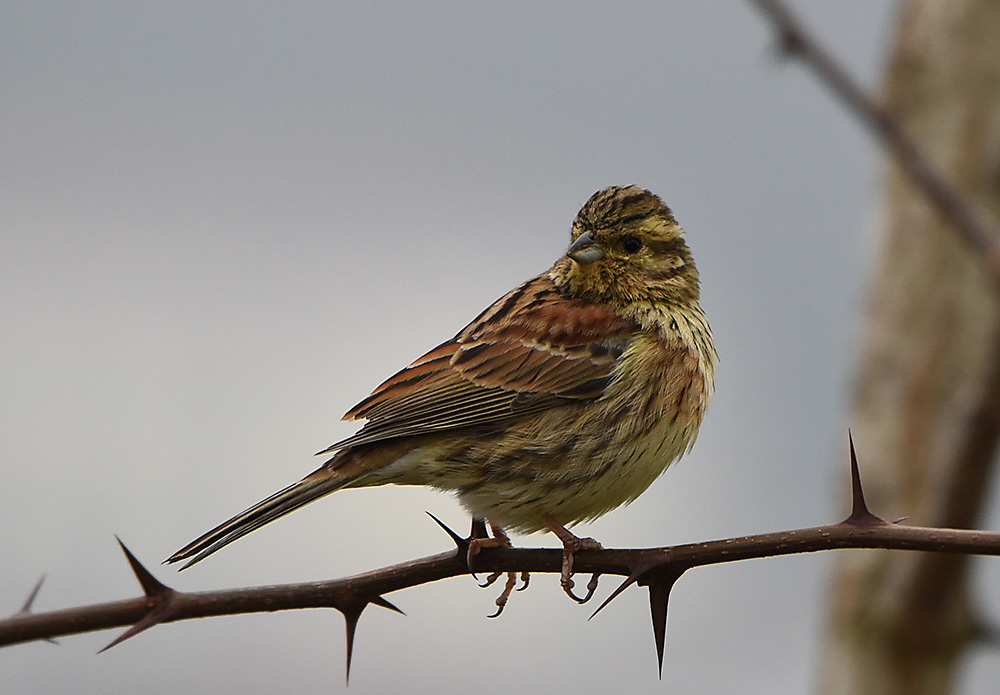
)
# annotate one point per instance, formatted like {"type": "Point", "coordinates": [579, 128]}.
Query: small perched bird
{"type": "Point", "coordinates": [563, 400]}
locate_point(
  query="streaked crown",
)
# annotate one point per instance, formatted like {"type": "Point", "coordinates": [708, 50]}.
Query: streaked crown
{"type": "Point", "coordinates": [627, 248]}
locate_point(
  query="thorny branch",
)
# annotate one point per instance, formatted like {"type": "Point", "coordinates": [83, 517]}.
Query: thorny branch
{"type": "Point", "coordinates": [657, 568]}
{"type": "Point", "coordinates": [969, 221]}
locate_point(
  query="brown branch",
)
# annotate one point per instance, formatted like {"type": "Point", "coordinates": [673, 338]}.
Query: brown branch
{"type": "Point", "coordinates": [969, 220]}
{"type": "Point", "coordinates": [335, 593]}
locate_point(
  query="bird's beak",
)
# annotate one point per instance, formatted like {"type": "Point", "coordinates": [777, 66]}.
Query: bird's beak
{"type": "Point", "coordinates": [585, 249]}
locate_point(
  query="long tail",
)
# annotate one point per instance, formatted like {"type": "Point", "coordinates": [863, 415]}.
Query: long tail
{"type": "Point", "coordinates": [265, 511]}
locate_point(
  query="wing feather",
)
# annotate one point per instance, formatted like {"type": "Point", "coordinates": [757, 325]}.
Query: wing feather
{"type": "Point", "coordinates": [532, 349]}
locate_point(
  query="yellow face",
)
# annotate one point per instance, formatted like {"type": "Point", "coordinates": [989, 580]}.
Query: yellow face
{"type": "Point", "coordinates": [627, 248]}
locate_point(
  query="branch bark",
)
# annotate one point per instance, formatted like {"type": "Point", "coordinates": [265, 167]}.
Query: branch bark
{"type": "Point", "coordinates": [858, 531]}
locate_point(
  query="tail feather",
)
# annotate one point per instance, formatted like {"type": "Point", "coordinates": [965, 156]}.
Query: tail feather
{"type": "Point", "coordinates": [265, 511]}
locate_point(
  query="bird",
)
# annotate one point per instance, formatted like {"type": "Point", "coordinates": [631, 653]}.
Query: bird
{"type": "Point", "coordinates": [564, 399]}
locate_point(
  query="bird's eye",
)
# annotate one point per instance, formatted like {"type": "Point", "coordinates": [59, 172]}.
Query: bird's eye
{"type": "Point", "coordinates": [632, 244]}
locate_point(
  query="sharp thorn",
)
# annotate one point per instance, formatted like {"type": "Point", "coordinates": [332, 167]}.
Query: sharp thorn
{"type": "Point", "coordinates": [860, 508]}
{"type": "Point", "coordinates": [352, 614]}
{"type": "Point", "coordinates": [860, 514]}
{"type": "Point", "coordinates": [660, 582]}
{"type": "Point", "coordinates": [383, 603]}
{"type": "Point", "coordinates": [460, 542]}
{"type": "Point", "coordinates": [659, 596]}
{"type": "Point", "coordinates": [629, 581]}
{"type": "Point", "coordinates": [152, 618]}
{"type": "Point", "coordinates": [151, 586]}
{"type": "Point", "coordinates": [26, 608]}
{"type": "Point", "coordinates": [352, 610]}
{"type": "Point", "coordinates": [158, 597]}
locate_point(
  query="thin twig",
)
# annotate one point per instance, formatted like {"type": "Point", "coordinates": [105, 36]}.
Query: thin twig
{"type": "Point", "coordinates": [968, 219]}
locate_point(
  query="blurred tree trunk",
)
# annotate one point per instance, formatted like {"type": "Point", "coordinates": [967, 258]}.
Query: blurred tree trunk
{"type": "Point", "coordinates": [927, 402]}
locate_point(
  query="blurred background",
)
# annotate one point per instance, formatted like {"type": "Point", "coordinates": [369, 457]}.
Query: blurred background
{"type": "Point", "coordinates": [222, 225]}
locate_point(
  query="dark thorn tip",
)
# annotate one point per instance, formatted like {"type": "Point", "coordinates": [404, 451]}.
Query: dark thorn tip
{"type": "Point", "coordinates": [151, 586]}
{"type": "Point", "coordinates": [629, 581]}
{"type": "Point", "coordinates": [352, 614]}
{"type": "Point", "coordinates": [660, 580]}
{"type": "Point", "coordinates": [383, 603]}
{"type": "Point", "coordinates": [659, 597]}
{"type": "Point", "coordinates": [460, 542]}
{"type": "Point", "coordinates": [26, 608]}
{"type": "Point", "coordinates": [860, 514]}
{"type": "Point", "coordinates": [149, 620]}
{"type": "Point", "coordinates": [158, 596]}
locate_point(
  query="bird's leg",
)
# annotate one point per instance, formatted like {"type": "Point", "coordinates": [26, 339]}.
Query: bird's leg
{"type": "Point", "coordinates": [479, 539]}
{"type": "Point", "coordinates": [500, 535]}
{"type": "Point", "coordinates": [478, 529]}
{"type": "Point", "coordinates": [572, 544]}
{"type": "Point", "coordinates": [500, 539]}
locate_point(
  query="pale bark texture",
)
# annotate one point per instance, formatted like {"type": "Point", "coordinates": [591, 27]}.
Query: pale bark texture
{"type": "Point", "coordinates": [927, 402]}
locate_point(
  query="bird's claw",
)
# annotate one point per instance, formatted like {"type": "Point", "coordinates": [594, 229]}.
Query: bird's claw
{"type": "Point", "coordinates": [566, 575]}
{"type": "Point", "coordinates": [568, 585]}
{"type": "Point", "coordinates": [499, 540]}
{"type": "Point", "coordinates": [507, 589]}
{"type": "Point", "coordinates": [490, 579]}
{"type": "Point", "coordinates": [477, 544]}
{"type": "Point", "coordinates": [571, 545]}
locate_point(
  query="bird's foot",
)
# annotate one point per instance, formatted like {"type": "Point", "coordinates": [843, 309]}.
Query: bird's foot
{"type": "Point", "coordinates": [509, 587]}
{"type": "Point", "coordinates": [571, 545]}
{"type": "Point", "coordinates": [500, 539]}
{"type": "Point", "coordinates": [479, 540]}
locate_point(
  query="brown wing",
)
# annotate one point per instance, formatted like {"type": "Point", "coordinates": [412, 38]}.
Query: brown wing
{"type": "Point", "coordinates": [532, 349]}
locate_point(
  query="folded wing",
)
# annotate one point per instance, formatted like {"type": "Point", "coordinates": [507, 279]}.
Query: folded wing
{"type": "Point", "coordinates": [531, 350]}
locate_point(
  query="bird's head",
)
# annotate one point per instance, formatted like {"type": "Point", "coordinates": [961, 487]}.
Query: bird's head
{"type": "Point", "coordinates": [627, 249]}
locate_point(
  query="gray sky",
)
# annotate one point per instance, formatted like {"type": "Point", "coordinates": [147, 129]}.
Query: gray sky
{"type": "Point", "coordinates": [222, 225]}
